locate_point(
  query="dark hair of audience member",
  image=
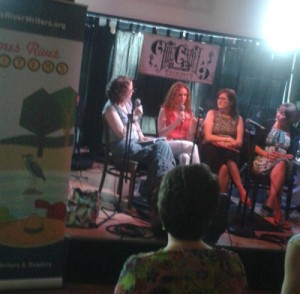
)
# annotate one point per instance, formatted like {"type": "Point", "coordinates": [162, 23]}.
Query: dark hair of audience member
{"type": "Point", "coordinates": [188, 200]}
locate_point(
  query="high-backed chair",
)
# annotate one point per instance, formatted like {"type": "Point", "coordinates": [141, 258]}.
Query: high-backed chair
{"type": "Point", "coordinates": [117, 166]}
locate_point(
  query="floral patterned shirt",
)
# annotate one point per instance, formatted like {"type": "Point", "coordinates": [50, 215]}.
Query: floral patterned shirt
{"type": "Point", "coordinates": [187, 271]}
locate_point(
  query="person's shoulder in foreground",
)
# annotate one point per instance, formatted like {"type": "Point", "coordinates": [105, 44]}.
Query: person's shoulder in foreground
{"type": "Point", "coordinates": [187, 203]}
{"type": "Point", "coordinates": [292, 267]}
{"type": "Point", "coordinates": [184, 271]}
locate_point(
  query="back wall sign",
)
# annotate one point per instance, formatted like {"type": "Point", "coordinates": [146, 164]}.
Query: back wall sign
{"type": "Point", "coordinates": [178, 59]}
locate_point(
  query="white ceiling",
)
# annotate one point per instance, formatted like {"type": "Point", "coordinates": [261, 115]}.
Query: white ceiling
{"type": "Point", "coordinates": [231, 17]}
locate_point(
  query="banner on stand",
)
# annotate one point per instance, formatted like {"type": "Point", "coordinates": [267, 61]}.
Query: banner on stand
{"type": "Point", "coordinates": [41, 45]}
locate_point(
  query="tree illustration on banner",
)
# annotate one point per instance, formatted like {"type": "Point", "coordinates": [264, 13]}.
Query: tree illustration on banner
{"type": "Point", "coordinates": [66, 101]}
{"type": "Point", "coordinates": [43, 114]}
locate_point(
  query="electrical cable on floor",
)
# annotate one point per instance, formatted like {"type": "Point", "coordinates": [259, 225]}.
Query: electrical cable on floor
{"type": "Point", "coordinates": [128, 230]}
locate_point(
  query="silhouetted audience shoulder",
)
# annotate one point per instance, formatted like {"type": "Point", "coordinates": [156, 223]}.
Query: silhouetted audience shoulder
{"type": "Point", "coordinates": [187, 203]}
{"type": "Point", "coordinates": [292, 267]}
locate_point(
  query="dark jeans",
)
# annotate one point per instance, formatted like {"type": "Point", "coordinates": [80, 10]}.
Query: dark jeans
{"type": "Point", "coordinates": [156, 157]}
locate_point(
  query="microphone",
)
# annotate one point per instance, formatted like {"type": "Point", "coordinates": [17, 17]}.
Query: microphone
{"type": "Point", "coordinates": [251, 122]}
{"type": "Point", "coordinates": [200, 111]}
{"type": "Point", "coordinates": [137, 102]}
{"type": "Point", "coordinates": [182, 109]}
{"type": "Point", "coordinates": [138, 110]}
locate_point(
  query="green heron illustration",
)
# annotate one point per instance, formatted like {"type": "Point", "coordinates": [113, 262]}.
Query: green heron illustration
{"type": "Point", "coordinates": [34, 169]}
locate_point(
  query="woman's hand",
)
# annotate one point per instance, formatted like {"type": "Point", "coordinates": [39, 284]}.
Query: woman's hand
{"type": "Point", "coordinates": [222, 144]}
{"type": "Point", "coordinates": [273, 155]}
{"type": "Point", "coordinates": [138, 111]}
{"type": "Point", "coordinates": [229, 142]}
{"type": "Point", "coordinates": [180, 118]}
{"type": "Point", "coordinates": [289, 156]}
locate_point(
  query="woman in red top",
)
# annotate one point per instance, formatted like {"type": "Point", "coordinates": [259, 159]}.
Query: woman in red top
{"type": "Point", "coordinates": [177, 123]}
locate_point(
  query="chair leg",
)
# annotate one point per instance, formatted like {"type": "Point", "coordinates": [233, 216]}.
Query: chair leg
{"type": "Point", "coordinates": [254, 196]}
{"type": "Point", "coordinates": [288, 203]}
{"type": "Point", "coordinates": [120, 185]}
{"type": "Point", "coordinates": [230, 189]}
{"type": "Point", "coordinates": [133, 171]}
{"type": "Point", "coordinates": [103, 176]}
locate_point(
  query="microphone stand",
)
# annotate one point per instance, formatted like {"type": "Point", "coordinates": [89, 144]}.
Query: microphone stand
{"type": "Point", "coordinates": [240, 228]}
{"type": "Point", "coordinates": [195, 136]}
{"type": "Point", "coordinates": [124, 169]}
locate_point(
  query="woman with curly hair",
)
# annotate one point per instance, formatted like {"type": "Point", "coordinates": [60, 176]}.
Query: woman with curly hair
{"type": "Point", "coordinates": [177, 123]}
{"type": "Point", "coordinates": [157, 157]}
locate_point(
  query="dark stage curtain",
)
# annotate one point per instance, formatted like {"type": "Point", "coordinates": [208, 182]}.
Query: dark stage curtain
{"type": "Point", "coordinates": [259, 76]}
{"type": "Point", "coordinates": [98, 45]}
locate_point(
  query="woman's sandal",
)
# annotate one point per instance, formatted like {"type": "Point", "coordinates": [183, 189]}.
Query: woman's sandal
{"type": "Point", "coordinates": [282, 224]}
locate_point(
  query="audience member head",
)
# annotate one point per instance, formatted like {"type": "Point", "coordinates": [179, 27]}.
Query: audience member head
{"type": "Point", "coordinates": [290, 283]}
{"type": "Point", "coordinates": [289, 112]}
{"type": "Point", "coordinates": [119, 89]}
{"type": "Point", "coordinates": [188, 200]}
{"type": "Point", "coordinates": [231, 95]}
{"type": "Point", "coordinates": [172, 100]}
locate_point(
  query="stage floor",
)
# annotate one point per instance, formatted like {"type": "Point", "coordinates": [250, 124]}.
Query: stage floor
{"type": "Point", "coordinates": [108, 217]}
{"type": "Point", "coordinates": [102, 251]}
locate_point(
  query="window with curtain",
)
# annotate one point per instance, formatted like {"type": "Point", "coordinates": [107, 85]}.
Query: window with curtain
{"type": "Point", "coordinates": [126, 56]}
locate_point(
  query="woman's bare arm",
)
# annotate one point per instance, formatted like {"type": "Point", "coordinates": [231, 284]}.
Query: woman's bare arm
{"type": "Point", "coordinates": [163, 129]}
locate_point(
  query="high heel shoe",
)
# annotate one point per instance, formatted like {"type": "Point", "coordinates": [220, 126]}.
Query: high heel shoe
{"type": "Point", "coordinates": [282, 224]}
